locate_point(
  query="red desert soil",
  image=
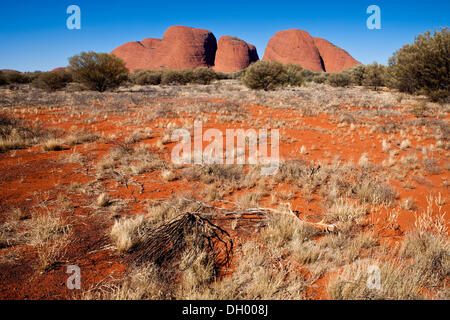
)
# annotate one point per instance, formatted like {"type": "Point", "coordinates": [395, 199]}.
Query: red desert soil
{"type": "Point", "coordinates": [27, 175]}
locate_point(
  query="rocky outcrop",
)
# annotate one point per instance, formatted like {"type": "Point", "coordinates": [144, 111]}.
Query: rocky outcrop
{"type": "Point", "coordinates": [234, 54]}
{"type": "Point", "coordinates": [316, 54]}
{"type": "Point", "coordinates": [294, 46]}
{"type": "Point", "coordinates": [135, 55]}
{"type": "Point", "coordinates": [183, 47]}
{"type": "Point", "coordinates": [334, 58]}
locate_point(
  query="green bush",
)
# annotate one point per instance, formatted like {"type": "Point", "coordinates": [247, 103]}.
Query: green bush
{"type": "Point", "coordinates": [266, 75]}
{"type": "Point", "coordinates": [176, 77]}
{"type": "Point", "coordinates": [374, 75]}
{"type": "Point", "coordinates": [423, 67]}
{"type": "Point", "coordinates": [203, 75]}
{"type": "Point", "coordinates": [98, 71]}
{"type": "Point", "coordinates": [223, 75]}
{"type": "Point", "coordinates": [237, 75]}
{"type": "Point", "coordinates": [14, 77]}
{"type": "Point", "coordinates": [147, 77]}
{"type": "Point", "coordinates": [294, 74]}
{"type": "Point", "coordinates": [338, 79]}
{"type": "Point", "coordinates": [308, 75]}
{"type": "Point", "coordinates": [53, 80]}
{"type": "Point", "coordinates": [3, 79]}
{"type": "Point", "coordinates": [320, 77]}
{"type": "Point", "coordinates": [357, 74]}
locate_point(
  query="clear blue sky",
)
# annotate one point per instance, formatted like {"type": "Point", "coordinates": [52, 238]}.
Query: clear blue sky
{"type": "Point", "coordinates": [34, 36]}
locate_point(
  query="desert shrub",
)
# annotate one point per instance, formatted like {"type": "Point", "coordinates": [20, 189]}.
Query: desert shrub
{"type": "Point", "coordinates": [357, 74]}
{"type": "Point", "coordinates": [308, 75]}
{"type": "Point", "coordinates": [374, 75]}
{"type": "Point", "coordinates": [203, 75]}
{"type": "Point", "coordinates": [223, 75]}
{"type": "Point", "coordinates": [423, 67]}
{"type": "Point", "coordinates": [237, 75]}
{"type": "Point", "coordinates": [176, 77]}
{"type": "Point", "coordinates": [3, 79]}
{"type": "Point", "coordinates": [294, 74]}
{"type": "Point", "coordinates": [338, 79]}
{"type": "Point", "coordinates": [147, 77]}
{"type": "Point", "coordinates": [319, 77]}
{"type": "Point", "coordinates": [53, 80]}
{"type": "Point", "coordinates": [266, 75]}
{"type": "Point", "coordinates": [98, 71]}
{"type": "Point", "coordinates": [14, 77]}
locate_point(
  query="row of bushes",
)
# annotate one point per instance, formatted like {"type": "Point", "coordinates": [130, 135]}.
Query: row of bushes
{"type": "Point", "coordinates": [100, 71]}
{"type": "Point", "coordinates": [421, 68]}
{"type": "Point", "coordinates": [268, 75]}
{"type": "Point", "coordinates": [201, 75]}
{"type": "Point", "coordinates": [371, 75]}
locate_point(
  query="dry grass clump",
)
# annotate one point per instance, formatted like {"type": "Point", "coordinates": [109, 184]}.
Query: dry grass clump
{"type": "Point", "coordinates": [250, 199]}
{"type": "Point", "coordinates": [256, 277]}
{"type": "Point", "coordinates": [283, 228]}
{"type": "Point", "coordinates": [143, 283]}
{"type": "Point", "coordinates": [397, 281]}
{"type": "Point", "coordinates": [139, 135]}
{"type": "Point", "coordinates": [215, 173]}
{"type": "Point", "coordinates": [9, 235]}
{"type": "Point", "coordinates": [431, 256]}
{"type": "Point", "coordinates": [431, 166]}
{"type": "Point", "coordinates": [46, 227]}
{"type": "Point", "coordinates": [375, 192]}
{"type": "Point", "coordinates": [127, 160]}
{"type": "Point", "coordinates": [17, 134]}
{"type": "Point", "coordinates": [345, 211]}
{"type": "Point", "coordinates": [50, 235]}
{"type": "Point", "coordinates": [54, 144]}
{"type": "Point", "coordinates": [126, 232]}
{"type": "Point", "coordinates": [103, 200]}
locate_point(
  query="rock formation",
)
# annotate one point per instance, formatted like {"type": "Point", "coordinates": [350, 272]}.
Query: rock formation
{"type": "Point", "coordinates": [316, 54]}
{"type": "Point", "coordinates": [334, 58]}
{"type": "Point", "coordinates": [294, 46]}
{"type": "Point", "coordinates": [234, 54]}
{"type": "Point", "coordinates": [135, 55]}
{"type": "Point", "coordinates": [183, 47]}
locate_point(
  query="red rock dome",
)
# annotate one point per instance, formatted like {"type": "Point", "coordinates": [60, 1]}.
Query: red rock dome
{"type": "Point", "coordinates": [135, 55]}
{"type": "Point", "coordinates": [234, 54]}
{"type": "Point", "coordinates": [316, 54]}
{"type": "Point", "coordinates": [334, 58]}
{"type": "Point", "coordinates": [294, 46]}
{"type": "Point", "coordinates": [184, 47]}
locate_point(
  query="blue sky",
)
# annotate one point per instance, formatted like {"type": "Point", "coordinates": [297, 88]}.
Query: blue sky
{"type": "Point", "coordinates": [34, 36]}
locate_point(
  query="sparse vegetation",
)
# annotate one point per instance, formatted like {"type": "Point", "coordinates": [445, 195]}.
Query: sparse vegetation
{"type": "Point", "coordinates": [98, 71]}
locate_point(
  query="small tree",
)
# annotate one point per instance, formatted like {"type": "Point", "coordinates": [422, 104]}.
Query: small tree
{"type": "Point", "coordinates": [53, 80]}
{"type": "Point", "coordinates": [424, 66]}
{"type": "Point", "coordinates": [294, 74]}
{"type": "Point", "coordinates": [147, 77]}
{"type": "Point", "coordinates": [338, 79]}
{"type": "Point", "coordinates": [374, 75]}
{"type": "Point", "coordinates": [14, 77]}
{"type": "Point", "coordinates": [320, 77]}
{"type": "Point", "coordinates": [98, 71]}
{"type": "Point", "coordinates": [3, 79]}
{"type": "Point", "coordinates": [203, 75]}
{"type": "Point", "coordinates": [176, 77]}
{"type": "Point", "coordinates": [266, 75]}
{"type": "Point", "coordinates": [357, 74]}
